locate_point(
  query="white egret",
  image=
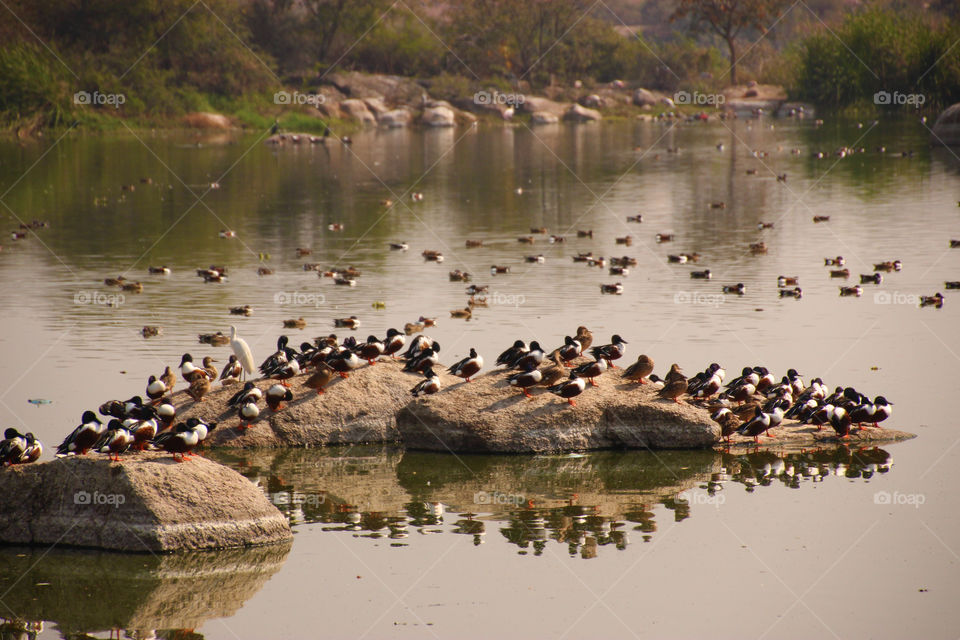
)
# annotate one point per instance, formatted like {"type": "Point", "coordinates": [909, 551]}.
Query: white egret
{"type": "Point", "coordinates": [242, 350]}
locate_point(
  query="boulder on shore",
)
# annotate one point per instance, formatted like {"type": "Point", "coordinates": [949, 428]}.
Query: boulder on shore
{"type": "Point", "coordinates": [544, 117]}
{"type": "Point", "coordinates": [206, 120]}
{"type": "Point", "coordinates": [395, 119]}
{"type": "Point", "coordinates": [357, 110]}
{"type": "Point", "coordinates": [439, 116]}
{"type": "Point", "coordinates": [577, 113]}
{"type": "Point", "coordinates": [146, 502]}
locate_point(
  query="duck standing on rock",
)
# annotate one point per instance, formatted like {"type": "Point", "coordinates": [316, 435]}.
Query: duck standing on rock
{"type": "Point", "coordinates": [155, 389]}
{"type": "Point", "coordinates": [189, 371]}
{"type": "Point", "coordinates": [610, 352]}
{"type": "Point", "coordinates": [168, 379]}
{"type": "Point", "coordinates": [287, 371]}
{"type": "Point", "coordinates": [248, 393]}
{"type": "Point", "coordinates": [345, 360]}
{"type": "Point", "coordinates": [570, 350]}
{"type": "Point", "coordinates": [279, 358]}
{"type": "Point", "coordinates": [429, 385]}
{"type": "Point", "coordinates": [525, 379]}
{"type": "Point", "coordinates": [18, 448]}
{"type": "Point", "coordinates": [209, 369]}
{"type": "Point", "coordinates": [424, 358]}
{"type": "Point", "coordinates": [180, 441]}
{"type": "Point", "coordinates": [468, 367]}
{"type": "Point", "coordinates": [276, 395]}
{"type": "Point", "coordinates": [320, 378]}
{"type": "Point", "coordinates": [510, 356]}
{"type": "Point", "coordinates": [231, 371]}
{"type": "Point", "coordinates": [552, 374]}
{"type": "Point", "coordinates": [247, 412]}
{"type": "Point", "coordinates": [591, 370]}
{"type": "Point", "coordinates": [114, 441]}
{"type": "Point", "coordinates": [370, 350]}
{"type": "Point", "coordinates": [199, 388]}
{"type": "Point", "coordinates": [639, 369]}
{"type": "Point", "coordinates": [393, 343]}
{"type": "Point", "coordinates": [83, 437]}
{"type": "Point", "coordinates": [532, 358]}
{"type": "Point", "coordinates": [673, 389]}
{"type": "Point", "coordinates": [584, 337]}
{"type": "Point", "coordinates": [569, 389]}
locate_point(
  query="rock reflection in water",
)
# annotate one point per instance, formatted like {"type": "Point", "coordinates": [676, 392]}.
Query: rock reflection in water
{"type": "Point", "coordinates": [587, 502]}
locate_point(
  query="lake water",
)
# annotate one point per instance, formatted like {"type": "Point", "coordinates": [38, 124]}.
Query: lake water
{"type": "Point", "coordinates": [844, 542]}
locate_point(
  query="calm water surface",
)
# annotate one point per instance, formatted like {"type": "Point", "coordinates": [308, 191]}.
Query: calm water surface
{"type": "Point", "coordinates": [840, 542]}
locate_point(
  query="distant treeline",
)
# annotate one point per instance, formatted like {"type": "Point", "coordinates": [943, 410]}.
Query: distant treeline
{"type": "Point", "coordinates": [167, 57]}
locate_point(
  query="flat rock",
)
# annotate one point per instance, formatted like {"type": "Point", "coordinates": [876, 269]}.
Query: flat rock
{"type": "Point", "coordinates": [147, 502]}
{"type": "Point", "coordinates": [395, 118]}
{"type": "Point", "coordinates": [544, 117]}
{"type": "Point", "coordinates": [577, 113]}
{"type": "Point", "coordinates": [487, 415]}
{"type": "Point", "coordinates": [533, 104]}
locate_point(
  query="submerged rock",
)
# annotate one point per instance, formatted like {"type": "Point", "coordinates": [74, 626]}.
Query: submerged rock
{"type": "Point", "coordinates": [146, 502]}
{"type": "Point", "coordinates": [946, 130]}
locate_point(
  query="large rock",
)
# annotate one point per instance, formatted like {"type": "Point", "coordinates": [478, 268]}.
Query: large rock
{"type": "Point", "coordinates": [644, 98]}
{"type": "Point", "coordinates": [577, 113]}
{"type": "Point", "coordinates": [487, 415]}
{"type": "Point", "coordinates": [533, 104]}
{"type": "Point", "coordinates": [147, 591]}
{"type": "Point", "coordinates": [356, 109]}
{"type": "Point", "coordinates": [147, 502]}
{"type": "Point", "coordinates": [438, 116]}
{"type": "Point", "coordinates": [946, 130]}
{"type": "Point", "coordinates": [206, 120]}
{"type": "Point", "coordinates": [376, 106]}
{"type": "Point", "coordinates": [393, 89]}
{"type": "Point", "coordinates": [395, 119]}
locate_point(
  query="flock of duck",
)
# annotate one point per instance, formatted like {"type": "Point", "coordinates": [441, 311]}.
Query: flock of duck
{"type": "Point", "coordinates": [751, 404]}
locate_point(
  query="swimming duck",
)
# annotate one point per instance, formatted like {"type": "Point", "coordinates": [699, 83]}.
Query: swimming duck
{"type": "Point", "coordinates": [701, 275]}
{"type": "Point", "coordinates": [619, 271]}
{"type": "Point", "coordinates": [525, 240]}
{"type": "Point", "coordinates": [320, 378]}
{"type": "Point", "coordinates": [459, 276]}
{"type": "Point", "coordinates": [199, 388]}
{"type": "Point", "coordinates": [764, 225]}
{"type": "Point", "coordinates": [821, 219]}
{"type": "Point", "coordinates": [370, 350]}
{"type": "Point", "coordinates": [247, 412]}
{"type": "Point", "coordinates": [951, 284]}
{"type": "Point", "coordinates": [231, 371]}
{"type": "Point", "coordinates": [855, 290]}
{"type": "Point", "coordinates": [411, 328]}
{"type": "Point", "coordinates": [871, 278]}
{"type": "Point", "coordinates": [584, 234]}
{"type": "Point", "coordinates": [180, 441]}
{"type": "Point", "coordinates": [335, 226]}
{"type": "Point", "coordinates": [474, 244]}
{"type": "Point", "coordinates": [610, 352]}
{"type": "Point", "coordinates": [296, 323]}
{"type": "Point", "coordinates": [276, 395]}
{"type": "Point", "coordinates": [468, 367]}
{"type": "Point", "coordinates": [532, 358]}
{"type": "Point", "coordinates": [673, 389]}
{"type": "Point", "coordinates": [495, 269]}
{"type": "Point", "coordinates": [399, 246]}
{"type": "Point", "coordinates": [245, 310]}
{"type": "Point", "coordinates": [344, 282]}
{"type": "Point", "coordinates": [663, 237]}
{"type": "Point", "coordinates": [556, 239]}
{"type": "Point", "coordinates": [525, 379]}
{"type": "Point", "coordinates": [477, 302]}
{"type": "Point", "coordinates": [163, 271]}
{"type": "Point", "coordinates": [954, 243]}
{"type": "Point", "coordinates": [840, 273]}
{"type": "Point", "coordinates": [540, 230]}
{"type": "Point", "coordinates": [214, 339]}
{"type": "Point", "coordinates": [537, 259]}
{"type": "Point", "coordinates": [758, 248]}
{"type": "Point", "coordinates": [264, 271]}
{"type": "Point", "coordinates": [227, 233]}
{"type": "Point", "coordinates": [569, 389]}
{"type": "Point", "coordinates": [583, 257]}
{"type": "Point", "coordinates": [796, 292]}
{"type": "Point", "coordinates": [625, 240]}
{"type": "Point", "coordinates": [132, 287]}
{"type": "Point", "coordinates": [784, 281]}
{"type": "Point", "coordinates": [738, 289]}
{"type": "Point", "coordinates": [429, 385]}
{"type": "Point", "coordinates": [432, 256]}
{"type": "Point", "coordinates": [466, 312]}
{"type": "Point", "coordinates": [393, 343]}
{"type": "Point", "coordinates": [155, 389]}
{"type": "Point", "coordinates": [613, 289]}
{"type": "Point", "coordinates": [637, 218]}
{"type": "Point", "coordinates": [347, 323]}
{"type": "Point", "coordinates": [834, 262]}
{"type": "Point", "coordinates": [570, 350]}
{"type": "Point", "coordinates": [83, 437]}
{"type": "Point", "coordinates": [116, 439]}
{"type": "Point", "coordinates": [935, 301]}
{"type": "Point", "coordinates": [639, 369]}
{"type": "Point", "coordinates": [599, 262]}
{"type": "Point", "coordinates": [416, 196]}
{"type": "Point", "coordinates": [584, 337]}
{"type": "Point", "coordinates": [115, 282]}
{"type": "Point", "coordinates": [591, 370]}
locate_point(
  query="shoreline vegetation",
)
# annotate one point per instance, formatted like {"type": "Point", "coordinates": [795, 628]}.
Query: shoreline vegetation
{"type": "Point", "coordinates": [333, 66]}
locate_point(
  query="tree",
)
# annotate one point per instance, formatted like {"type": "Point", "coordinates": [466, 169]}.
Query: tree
{"type": "Point", "coordinates": [727, 19]}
